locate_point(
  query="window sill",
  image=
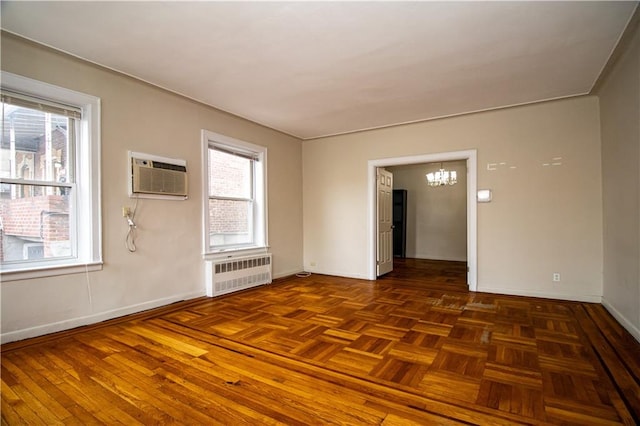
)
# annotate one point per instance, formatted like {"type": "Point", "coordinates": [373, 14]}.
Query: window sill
{"type": "Point", "coordinates": [49, 271]}
{"type": "Point", "coordinates": [235, 252]}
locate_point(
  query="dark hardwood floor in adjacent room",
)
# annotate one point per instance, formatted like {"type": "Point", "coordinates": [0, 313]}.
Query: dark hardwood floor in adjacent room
{"type": "Point", "coordinates": [436, 274]}
{"type": "Point", "coordinates": [414, 347]}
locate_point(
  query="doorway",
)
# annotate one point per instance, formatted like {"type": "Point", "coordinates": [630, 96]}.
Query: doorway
{"type": "Point", "coordinates": [471, 158]}
{"type": "Point", "coordinates": [399, 218]}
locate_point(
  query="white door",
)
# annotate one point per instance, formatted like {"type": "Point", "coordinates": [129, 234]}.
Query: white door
{"type": "Point", "coordinates": [385, 221]}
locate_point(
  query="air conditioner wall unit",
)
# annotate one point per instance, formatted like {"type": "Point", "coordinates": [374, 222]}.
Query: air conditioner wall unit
{"type": "Point", "coordinates": [152, 176]}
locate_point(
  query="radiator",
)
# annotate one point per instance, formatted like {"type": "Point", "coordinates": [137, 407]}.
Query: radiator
{"type": "Point", "coordinates": [229, 275]}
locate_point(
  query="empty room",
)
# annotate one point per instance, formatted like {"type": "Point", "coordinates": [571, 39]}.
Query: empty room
{"type": "Point", "coordinates": [303, 213]}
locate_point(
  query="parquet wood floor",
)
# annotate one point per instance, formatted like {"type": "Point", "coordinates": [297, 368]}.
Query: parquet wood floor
{"type": "Point", "coordinates": [414, 347]}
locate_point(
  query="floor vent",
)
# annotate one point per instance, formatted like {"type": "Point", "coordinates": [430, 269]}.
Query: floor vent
{"type": "Point", "coordinates": [229, 275]}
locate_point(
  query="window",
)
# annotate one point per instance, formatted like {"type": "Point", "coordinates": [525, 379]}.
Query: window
{"type": "Point", "coordinates": [49, 177]}
{"type": "Point", "coordinates": [235, 213]}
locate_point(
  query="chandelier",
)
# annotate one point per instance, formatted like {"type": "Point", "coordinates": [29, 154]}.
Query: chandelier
{"type": "Point", "coordinates": [442, 177]}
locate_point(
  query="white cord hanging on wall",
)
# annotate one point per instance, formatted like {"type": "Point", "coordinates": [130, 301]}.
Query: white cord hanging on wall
{"type": "Point", "coordinates": [130, 239]}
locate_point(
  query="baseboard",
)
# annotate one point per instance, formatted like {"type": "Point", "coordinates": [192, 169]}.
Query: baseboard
{"type": "Point", "coordinates": [444, 258]}
{"type": "Point", "coordinates": [572, 297]}
{"type": "Point", "coordinates": [628, 325]}
{"type": "Point", "coordinates": [286, 274]}
{"type": "Point", "coordinates": [68, 324]}
{"type": "Point", "coordinates": [339, 274]}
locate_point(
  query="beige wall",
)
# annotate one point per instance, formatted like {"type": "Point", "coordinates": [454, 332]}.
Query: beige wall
{"type": "Point", "coordinates": [436, 217]}
{"type": "Point", "coordinates": [620, 118]}
{"type": "Point", "coordinates": [168, 265]}
{"type": "Point", "coordinates": [543, 219]}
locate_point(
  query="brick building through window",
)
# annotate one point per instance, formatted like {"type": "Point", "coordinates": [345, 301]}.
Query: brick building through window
{"type": "Point", "coordinates": [34, 216]}
{"type": "Point", "coordinates": [235, 197]}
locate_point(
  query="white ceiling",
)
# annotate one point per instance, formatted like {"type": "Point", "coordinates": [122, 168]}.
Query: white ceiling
{"type": "Point", "coordinates": [318, 68]}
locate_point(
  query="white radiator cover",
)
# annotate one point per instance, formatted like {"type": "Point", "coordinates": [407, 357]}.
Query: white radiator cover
{"type": "Point", "coordinates": [233, 274]}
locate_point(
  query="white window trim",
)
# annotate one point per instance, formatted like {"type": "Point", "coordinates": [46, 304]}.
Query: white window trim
{"type": "Point", "coordinates": [260, 206]}
{"type": "Point", "coordinates": [89, 223]}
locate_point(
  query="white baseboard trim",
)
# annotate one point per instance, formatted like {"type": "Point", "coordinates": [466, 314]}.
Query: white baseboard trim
{"type": "Point", "coordinates": [624, 321]}
{"type": "Point", "coordinates": [286, 273]}
{"type": "Point", "coordinates": [572, 297]}
{"type": "Point", "coordinates": [445, 258]}
{"type": "Point", "coordinates": [339, 274]}
{"type": "Point", "coordinates": [68, 324]}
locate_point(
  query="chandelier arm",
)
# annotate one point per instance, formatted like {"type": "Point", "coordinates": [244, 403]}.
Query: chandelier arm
{"type": "Point", "coordinates": [442, 177]}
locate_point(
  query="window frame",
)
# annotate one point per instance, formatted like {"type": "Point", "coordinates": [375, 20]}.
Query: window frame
{"type": "Point", "coordinates": [85, 203]}
{"type": "Point", "coordinates": [212, 140]}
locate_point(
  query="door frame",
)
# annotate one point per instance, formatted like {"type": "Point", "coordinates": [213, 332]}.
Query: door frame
{"type": "Point", "coordinates": [472, 220]}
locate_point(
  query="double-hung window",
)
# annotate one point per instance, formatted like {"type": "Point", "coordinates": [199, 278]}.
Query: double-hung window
{"type": "Point", "coordinates": [49, 177]}
{"type": "Point", "coordinates": [235, 213]}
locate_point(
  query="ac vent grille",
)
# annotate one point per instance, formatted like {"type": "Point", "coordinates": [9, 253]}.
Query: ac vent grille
{"type": "Point", "coordinates": [152, 175]}
{"type": "Point", "coordinates": [159, 181]}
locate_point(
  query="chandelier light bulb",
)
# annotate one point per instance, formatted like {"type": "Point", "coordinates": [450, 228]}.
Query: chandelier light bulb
{"type": "Point", "coordinates": [442, 177]}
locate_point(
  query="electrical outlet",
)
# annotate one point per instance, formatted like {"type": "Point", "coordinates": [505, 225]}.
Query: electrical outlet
{"type": "Point", "coordinates": [313, 264]}
{"type": "Point", "coordinates": [126, 211]}
{"type": "Point", "coordinates": [556, 277]}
